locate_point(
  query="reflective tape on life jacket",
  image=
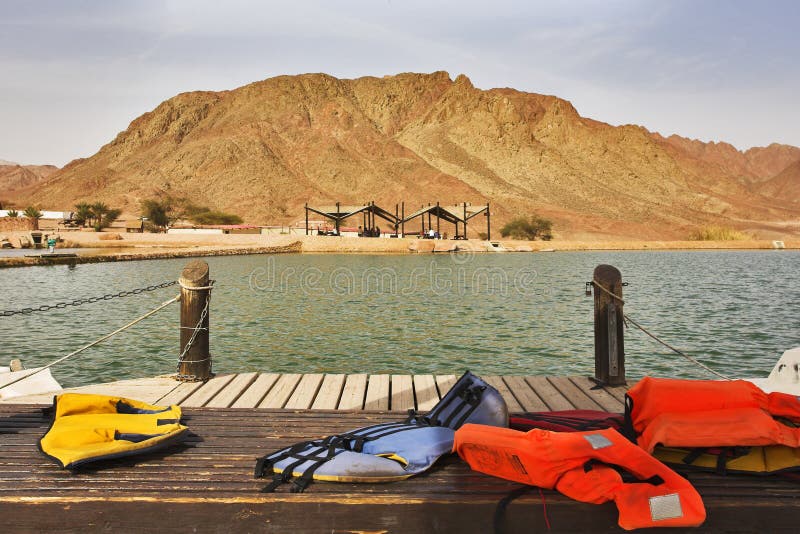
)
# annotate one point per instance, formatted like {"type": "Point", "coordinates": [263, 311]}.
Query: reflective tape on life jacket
{"type": "Point", "coordinates": [88, 428]}
{"type": "Point", "coordinates": [584, 466]}
{"type": "Point", "coordinates": [702, 413]}
{"type": "Point", "coordinates": [387, 451]}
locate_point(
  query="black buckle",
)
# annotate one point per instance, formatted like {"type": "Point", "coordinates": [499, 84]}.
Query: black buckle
{"type": "Point", "coordinates": [262, 464]}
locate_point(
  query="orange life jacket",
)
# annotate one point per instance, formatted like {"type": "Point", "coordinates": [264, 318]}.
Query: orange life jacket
{"type": "Point", "coordinates": [705, 413]}
{"type": "Point", "coordinates": [580, 465]}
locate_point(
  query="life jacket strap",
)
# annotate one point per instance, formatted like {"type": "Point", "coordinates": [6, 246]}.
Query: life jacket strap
{"type": "Point", "coordinates": [627, 429]}
{"type": "Point", "coordinates": [468, 393]}
{"type": "Point", "coordinates": [277, 480]}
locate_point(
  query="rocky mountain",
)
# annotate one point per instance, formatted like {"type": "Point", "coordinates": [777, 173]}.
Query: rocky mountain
{"type": "Point", "coordinates": [265, 149]}
{"type": "Point", "coordinates": [784, 185]}
{"type": "Point", "coordinates": [16, 179]}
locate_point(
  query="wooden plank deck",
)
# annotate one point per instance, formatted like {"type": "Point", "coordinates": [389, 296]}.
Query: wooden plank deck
{"type": "Point", "coordinates": [352, 392]}
{"type": "Point", "coordinates": [207, 485]}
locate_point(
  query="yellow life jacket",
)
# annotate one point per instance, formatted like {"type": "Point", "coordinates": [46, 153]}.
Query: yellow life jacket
{"type": "Point", "coordinates": [87, 428]}
{"type": "Point", "coordinates": [750, 460]}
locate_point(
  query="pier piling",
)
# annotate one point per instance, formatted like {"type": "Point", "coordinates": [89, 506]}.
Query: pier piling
{"type": "Point", "coordinates": [195, 364]}
{"type": "Point", "coordinates": [609, 346]}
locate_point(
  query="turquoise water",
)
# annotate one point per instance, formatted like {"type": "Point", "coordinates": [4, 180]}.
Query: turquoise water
{"type": "Point", "coordinates": [491, 313]}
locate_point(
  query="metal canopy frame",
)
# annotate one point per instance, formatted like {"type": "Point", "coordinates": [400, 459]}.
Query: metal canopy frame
{"type": "Point", "coordinates": [457, 214]}
{"type": "Point", "coordinates": [338, 213]}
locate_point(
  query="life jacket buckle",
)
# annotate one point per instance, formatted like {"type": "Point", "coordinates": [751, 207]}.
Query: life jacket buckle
{"type": "Point", "coordinates": [262, 465]}
{"type": "Point", "coordinates": [299, 485]}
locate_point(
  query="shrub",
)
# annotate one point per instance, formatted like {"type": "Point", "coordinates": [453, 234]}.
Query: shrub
{"type": "Point", "coordinates": [718, 233]}
{"type": "Point", "coordinates": [160, 213]}
{"type": "Point", "coordinates": [205, 215]}
{"type": "Point", "coordinates": [13, 213]}
{"type": "Point", "coordinates": [215, 217]}
{"type": "Point", "coordinates": [528, 228]}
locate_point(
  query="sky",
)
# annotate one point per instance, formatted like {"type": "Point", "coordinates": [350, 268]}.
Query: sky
{"type": "Point", "coordinates": [75, 73]}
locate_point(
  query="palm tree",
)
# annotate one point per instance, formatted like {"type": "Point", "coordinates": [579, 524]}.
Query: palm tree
{"type": "Point", "coordinates": [98, 210]}
{"type": "Point", "coordinates": [12, 213]}
{"type": "Point", "coordinates": [34, 215]}
{"type": "Point", "coordinates": [83, 213]}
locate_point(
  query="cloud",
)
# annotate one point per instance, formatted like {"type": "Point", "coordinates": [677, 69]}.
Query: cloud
{"type": "Point", "coordinates": [683, 66]}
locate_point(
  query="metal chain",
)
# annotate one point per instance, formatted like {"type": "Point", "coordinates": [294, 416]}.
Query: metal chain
{"type": "Point", "coordinates": [95, 342]}
{"type": "Point", "coordinates": [196, 329]}
{"type": "Point", "coordinates": [91, 300]}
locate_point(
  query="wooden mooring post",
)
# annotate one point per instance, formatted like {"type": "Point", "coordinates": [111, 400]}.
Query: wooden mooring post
{"type": "Point", "coordinates": [609, 346]}
{"type": "Point", "coordinates": [195, 364]}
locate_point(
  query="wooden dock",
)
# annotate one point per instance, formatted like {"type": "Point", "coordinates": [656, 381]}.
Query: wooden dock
{"type": "Point", "coordinates": [396, 393]}
{"type": "Point", "coordinates": [206, 485]}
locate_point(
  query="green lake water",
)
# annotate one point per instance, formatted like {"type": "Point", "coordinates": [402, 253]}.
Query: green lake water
{"type": "Point", "coordinates": [491, 313]}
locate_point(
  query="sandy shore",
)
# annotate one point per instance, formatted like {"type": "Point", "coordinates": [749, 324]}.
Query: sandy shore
{"type": "Point", "coordinates": [157, 246]}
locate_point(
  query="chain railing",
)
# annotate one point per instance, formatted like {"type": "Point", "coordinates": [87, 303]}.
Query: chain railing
{"type": "Point", "coordinates": [90, 300]}
{"type": "Point", "coordinates": [96, 341]}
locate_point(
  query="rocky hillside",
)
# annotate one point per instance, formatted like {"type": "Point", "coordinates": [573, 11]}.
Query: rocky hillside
{"type": "Point", "coordinates": [785, 185]}
{"type": "Point", "coordinates": [265, 149]}
{"type": "Point", "coordinates": [16, 179]}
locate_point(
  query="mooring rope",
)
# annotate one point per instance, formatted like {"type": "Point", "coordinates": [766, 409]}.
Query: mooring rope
{"type": "Point", "coordinates": [643, 329]}
{"type": "Point", "coordinates": [704, 366]}
{"type": "Point", "coordinates": [100, 340]}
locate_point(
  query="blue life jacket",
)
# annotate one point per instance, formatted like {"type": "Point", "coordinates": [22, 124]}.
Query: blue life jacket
{"type": "Point", "coordinates": [388, 451]}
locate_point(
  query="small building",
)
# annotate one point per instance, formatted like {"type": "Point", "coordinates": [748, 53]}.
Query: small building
{"type": "Point", "coordinates": [134, 226]}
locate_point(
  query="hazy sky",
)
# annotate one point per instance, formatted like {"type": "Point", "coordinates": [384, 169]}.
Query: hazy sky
{"type": "Point", "coordinates": [75, 73]}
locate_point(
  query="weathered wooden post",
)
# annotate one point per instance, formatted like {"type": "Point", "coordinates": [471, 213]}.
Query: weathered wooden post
{"type": "Point", "coordinates": [609, 346]}
{"type": "Point", "coordinates": [465, 220]}
{"type": "Point", "coordinates": [195, 362]}
{"type": "Point", "coordinates": [437, 221]}
{"type": "Point", "coordinates": [488, 223]}
{"type": "Point", "coordinates": [403, 220]}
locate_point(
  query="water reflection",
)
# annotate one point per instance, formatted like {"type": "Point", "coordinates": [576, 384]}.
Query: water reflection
{"type": "Point", "coordinates": [492, 313]}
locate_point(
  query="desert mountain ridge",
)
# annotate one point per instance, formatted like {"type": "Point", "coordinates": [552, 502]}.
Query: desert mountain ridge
{"type": "Point", "coordinates": [15, 177]}
{"type": "Point", "coordinates": [265, 149]}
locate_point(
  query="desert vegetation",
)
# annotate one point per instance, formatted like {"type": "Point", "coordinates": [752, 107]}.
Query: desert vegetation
{"type": "Point", "coordinates": [528, 228]}
{"type": "Point", "coordinates": [718, 233]}
{"type": "Point", "coordinates": [166, 211]}
{"type": "Point", "coordinates": [34, 215]}
{"type": "Point", "coordinates": [204, 215]}
{"type": "Point", "coordinates": [97, 215]}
